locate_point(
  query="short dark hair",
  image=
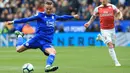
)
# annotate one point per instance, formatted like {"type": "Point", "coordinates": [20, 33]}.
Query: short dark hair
{"type": "Point", "coordinates": [49, 2]}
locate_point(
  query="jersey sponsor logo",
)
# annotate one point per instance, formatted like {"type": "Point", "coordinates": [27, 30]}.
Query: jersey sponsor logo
{"type": "Point", "coordinates": [106, 13]}
{"type": "Point", "coordinates": [50, 23]}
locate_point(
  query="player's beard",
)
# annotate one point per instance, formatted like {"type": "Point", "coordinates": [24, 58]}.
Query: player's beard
{"type": "Point", "coordinates": [104, 4]}
{"type": "Point", "coordinates": [48, 13]}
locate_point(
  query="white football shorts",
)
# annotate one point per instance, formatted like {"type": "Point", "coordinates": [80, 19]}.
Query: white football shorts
{"type": "Point", "coordinates": [109, 35]}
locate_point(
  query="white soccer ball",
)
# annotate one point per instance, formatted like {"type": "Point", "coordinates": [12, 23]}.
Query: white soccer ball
{"type": "Point", "coordinates": [28, 68]}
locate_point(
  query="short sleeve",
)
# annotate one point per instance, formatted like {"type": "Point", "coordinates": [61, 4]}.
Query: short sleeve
{"type": "Point", "coordinates": [115, 9]}
{"type": "Point", "coordinates": [95, 12]}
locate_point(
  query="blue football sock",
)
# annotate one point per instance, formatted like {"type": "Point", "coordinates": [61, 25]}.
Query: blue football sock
{"type": "Point", "coordinates": [20, 41]}
{"type": "Point", "coordinates": [50, 60]}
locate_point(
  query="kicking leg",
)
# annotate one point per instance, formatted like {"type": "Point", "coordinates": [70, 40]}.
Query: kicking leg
{"type": "Point", "coordinates": [19, 45]}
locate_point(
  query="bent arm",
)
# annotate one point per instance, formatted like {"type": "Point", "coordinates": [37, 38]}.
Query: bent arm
{"type": "Point", "coordinates": [92, 19]}
{"type": "Point", "coordinates": [119, 15]}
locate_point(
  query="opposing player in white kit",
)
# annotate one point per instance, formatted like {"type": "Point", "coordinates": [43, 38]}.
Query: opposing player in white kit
{"type": "Point", "coordinates": [106, 13]}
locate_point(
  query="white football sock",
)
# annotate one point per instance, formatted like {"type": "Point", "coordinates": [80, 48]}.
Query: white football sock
{"type": "Point", "coordinates": [113, 55]}
{"type": "Point", "coordinates": [47, 66]}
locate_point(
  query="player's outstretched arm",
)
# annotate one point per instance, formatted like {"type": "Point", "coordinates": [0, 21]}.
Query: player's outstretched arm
{"type": "Point", "coordinates": [67, 17]}
{"type": "Point", "coordinates": [23, 20]}
{"type": "Point", "coordinates": [90, 21]}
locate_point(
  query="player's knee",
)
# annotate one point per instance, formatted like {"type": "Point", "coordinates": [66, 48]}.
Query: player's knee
{"type": "Point", "coordinates": [110, 45]}
{"type": "Point", "coordinates": [53, 52]}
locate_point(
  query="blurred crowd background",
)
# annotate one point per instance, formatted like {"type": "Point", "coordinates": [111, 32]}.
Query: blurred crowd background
{"type": "Point", "coordinates": [15, 9]}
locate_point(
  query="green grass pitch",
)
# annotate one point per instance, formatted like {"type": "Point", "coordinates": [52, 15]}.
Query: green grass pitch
{"type": "Point", "coordinates": [69, 60]}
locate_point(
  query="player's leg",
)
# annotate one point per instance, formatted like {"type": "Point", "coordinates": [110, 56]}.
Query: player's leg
{"type": "Point", "coordinates": [21, 46]}
{"type": "Point", "coordinates": [113, 53]}
{"type": "Point", "coordinates": [50, 60]}
{"type": "Point", "coordinates": [113, 37]}
{"type": "Point", "coordinates": [51, 57]}
{"type": "Point", "coordinates": [47, 48]}
{"type": "Point", "coordinates": [19, 43]}
{"type": "Point", "coordinates": [106, 34]}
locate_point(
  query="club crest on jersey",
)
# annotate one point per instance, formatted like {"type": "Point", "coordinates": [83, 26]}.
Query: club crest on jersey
{"type": "Point", "coordinates": [45, 17]}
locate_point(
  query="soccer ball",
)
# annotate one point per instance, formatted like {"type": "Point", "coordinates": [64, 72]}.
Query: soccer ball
{"type": "Point", "coordinates": [28, 68]}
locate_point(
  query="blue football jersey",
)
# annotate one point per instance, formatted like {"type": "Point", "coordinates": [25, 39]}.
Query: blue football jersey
{"type": "Point", "coordinates": [45, 24]}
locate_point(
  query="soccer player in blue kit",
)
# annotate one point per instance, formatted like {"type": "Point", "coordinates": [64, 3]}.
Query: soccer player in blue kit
{"type": "Point", "coordinates": [44, 34]}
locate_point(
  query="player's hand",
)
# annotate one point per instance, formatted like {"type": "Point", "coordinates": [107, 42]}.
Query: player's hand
{"type": "Point", "coordinates": [120, 18]}
{"type": "Point", "coordinates": [9, 22]}
{"type": "Point", "coordinates": [86, 25]}
{"type": "Point", "coordinates": [76, 16]}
